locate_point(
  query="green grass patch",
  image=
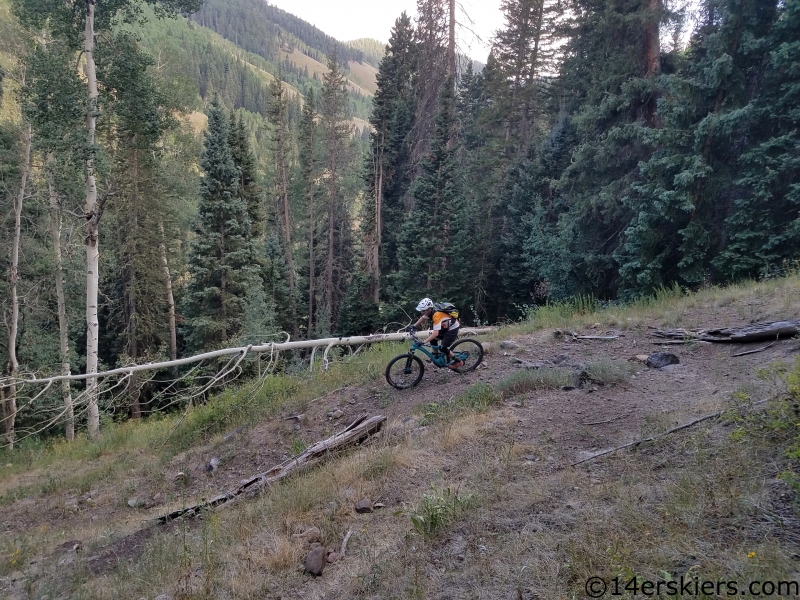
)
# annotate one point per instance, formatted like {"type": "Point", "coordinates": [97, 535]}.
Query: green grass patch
{"type": "Point", "coordinates": [436, 511]}
{"type": "Point", "coordinates": [478, 398]}
{"type": "Point", "coordinates": [528, 380]}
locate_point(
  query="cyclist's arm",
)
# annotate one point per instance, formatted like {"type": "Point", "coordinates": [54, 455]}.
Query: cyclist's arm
{"type": "Point", "coordinates": [432, 336]}
{"type": "Point", "coordinates": [420, 321]}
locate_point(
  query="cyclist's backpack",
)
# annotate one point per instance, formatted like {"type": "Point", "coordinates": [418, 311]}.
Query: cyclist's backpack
{"type": "Point", "coordinates": [446, 307]}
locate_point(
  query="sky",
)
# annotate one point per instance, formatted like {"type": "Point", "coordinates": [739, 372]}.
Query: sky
{"type": "Point", "coordinates": [352, 19]}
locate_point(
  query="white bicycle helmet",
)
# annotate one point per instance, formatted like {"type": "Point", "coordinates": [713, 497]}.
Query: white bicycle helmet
{"type": "Point", "coordinates": [424, 304]}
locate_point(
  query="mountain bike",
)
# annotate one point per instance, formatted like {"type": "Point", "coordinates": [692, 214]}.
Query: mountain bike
{"type": "Point", "coordinates": [405, 371]}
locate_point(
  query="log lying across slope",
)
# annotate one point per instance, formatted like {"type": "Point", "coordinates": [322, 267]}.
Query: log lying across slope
{"type": "Point", "coordinates": [358, 431]}
{"type": "Point", "coordinates": [757, 332]}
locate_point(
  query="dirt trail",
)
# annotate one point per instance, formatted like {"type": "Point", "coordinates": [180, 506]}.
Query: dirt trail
{"type": "Point", "coordinates": [550, 428]}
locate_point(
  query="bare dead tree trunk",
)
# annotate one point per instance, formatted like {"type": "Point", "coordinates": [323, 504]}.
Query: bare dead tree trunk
{"type": "Point", "coordinates": [93, 213]}
{"type": "Point", "coordinates": [652, 37]}
{"type": "Point", "coordinates": [173, 329]}
{"type": "Point", "coordinates": [329, 258]}
{"type": "Point", "coordinates": [653, 50]}
{"type": "Point", "coordinates": [287, 222]}
{"type": "Point", "coordinates": [13, 280]}
{"type": "Point", "coordinates": [311, 266]}
{"type": "Point", "coordinates": [133, 334]}
{"type": "Point", "coordinates": [63, 330]}
{"type": "Point", "coordinates": [373, 238]}
{"type": "Point", "coordinates": [451, 47]}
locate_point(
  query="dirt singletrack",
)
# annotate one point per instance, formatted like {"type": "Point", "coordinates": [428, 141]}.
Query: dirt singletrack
{"type": "Point", "coordinates": [112, 521]}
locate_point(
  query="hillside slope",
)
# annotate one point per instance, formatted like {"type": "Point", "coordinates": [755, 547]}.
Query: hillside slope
{"type": "Point", "coordinates": [280, 37]}
{"type": "Point", "coordinates": [473, 472]}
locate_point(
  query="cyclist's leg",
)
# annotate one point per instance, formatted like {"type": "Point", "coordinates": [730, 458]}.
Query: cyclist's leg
{"type": "Point", "coordinates": [447, 340]}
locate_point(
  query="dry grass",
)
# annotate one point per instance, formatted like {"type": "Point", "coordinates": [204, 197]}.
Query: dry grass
{"type": "Point", "coordinates": [699, 503]}
{"type": "Point", "coordinates": [365, 75]}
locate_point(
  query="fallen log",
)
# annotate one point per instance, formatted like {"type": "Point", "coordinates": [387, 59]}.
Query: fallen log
{"type": "Point", "coordinates": [358, 431]}
{"type": "Point", "coordinates": [757, 332]}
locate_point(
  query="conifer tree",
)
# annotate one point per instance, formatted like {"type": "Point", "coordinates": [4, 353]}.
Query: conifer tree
{"type": "Point", "coordinates": [387, 168]}
{"type": "Point", "coordinates": [308, 142]}
{"type": "Point", "coordinates": [225, 296]}
{"type": "Point", "coordinates": [279, 118]}
{"type": "Point", "coordinates": [433, 243]}
{"type": "Point", "coordinates": [335, 132]}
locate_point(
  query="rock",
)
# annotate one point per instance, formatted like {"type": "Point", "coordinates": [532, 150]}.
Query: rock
{"type": "Point", "coordinates": [378, 505]}
{"type": "Point", "coordinates": [135, 502]}
{"type": "Point", "coordinates": [212, 465]}
{"type": "Point", "coordinates": [159, 498]}
{"type": "Point", "coordinates": [71, 505]}
{"type": "Point", "coordinates": [364, 506]}
{"type": "Point", "coordinates": [333, 557]}
{"type": "Point", "coordinates": [509, 345]}
{"type": "Point", "coordinates": [351, 401]}
{"type": "Point", "coordinates": [337, 414]}
{"type": "Point", "coordinates": [560, 359]}
{"type": "Point", "coordinates": [638, 358]}
{"type": "Point", "coordinates": [297, 427]}
{"type": "Point", "coordinates": [661, 359]}
{"type": "Point", "coordinates": [163, 597]}
{"type": "Point", "coordinates": [579, 377]}
{"type": "Point", "coordinates": [310, 535]}
{"type": "Point", "coordinates": [180, 476]}
{"type": "Point", "coordinates": [315, 545]}
{"type": "Point", "coordinates": [315, 561]}
{"type": "Point", "coordinates": [568, 388]}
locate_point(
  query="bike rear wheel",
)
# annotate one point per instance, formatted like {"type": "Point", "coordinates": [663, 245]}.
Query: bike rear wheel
{"type": "Point", "coordinates": [404, 371]}
{"type": "Point", "coordinates": [470, 351]}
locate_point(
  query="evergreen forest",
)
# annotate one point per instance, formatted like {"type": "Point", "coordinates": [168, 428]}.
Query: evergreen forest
{"type": "Point", "coordinates": [181, 176]}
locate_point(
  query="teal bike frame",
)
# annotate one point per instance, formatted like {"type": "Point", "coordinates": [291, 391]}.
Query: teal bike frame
{"type": "Point", "coordinates": [440, 361]}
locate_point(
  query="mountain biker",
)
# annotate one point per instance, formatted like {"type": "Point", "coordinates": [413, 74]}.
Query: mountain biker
{"type": "Point", "coordinates": [445, 330]}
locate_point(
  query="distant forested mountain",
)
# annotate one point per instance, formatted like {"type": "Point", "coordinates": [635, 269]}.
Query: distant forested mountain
{"type": "Point", "coordinates": [372, 50]}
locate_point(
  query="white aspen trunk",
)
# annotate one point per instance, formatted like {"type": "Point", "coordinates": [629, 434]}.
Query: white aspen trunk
{"type": "Point", "coordinates": [92, 233]}
{"type": "Point", "coordinates": [63, 337]}
{"type": "Point", "coordinates": [173, 329]}
{"type": "Point", "coordinates": [270, 348]}
{"type": "Point", "coordinates": [13, 364]}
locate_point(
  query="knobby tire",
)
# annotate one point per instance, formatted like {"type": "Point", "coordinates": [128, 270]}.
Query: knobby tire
{"type": "Point", "coordinates": [401, 380]}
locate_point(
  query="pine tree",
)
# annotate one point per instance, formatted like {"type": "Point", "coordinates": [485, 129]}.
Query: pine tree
{"type": "Point", "coordinates": [433, 242]}
{"type": "Point", "coordinates": [387, 169]}
{"type": "Point", "coordinates": [279, 118]}
{"type": "Point", "coordinates": [308, 142]}
{"type": "Point", "coordinates": [224, 285]}
{"type": "Point", "coordinates": [335, 131]}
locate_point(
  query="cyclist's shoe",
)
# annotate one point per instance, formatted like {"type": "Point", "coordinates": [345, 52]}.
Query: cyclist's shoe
{"type": "Point", "coordinates": [456, 364]}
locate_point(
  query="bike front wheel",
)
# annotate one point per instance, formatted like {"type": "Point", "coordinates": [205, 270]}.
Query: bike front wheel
{"type": "Point", "coordinates": [404, 371]}
{"type": "Point", "coordinates": [470, 351]}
